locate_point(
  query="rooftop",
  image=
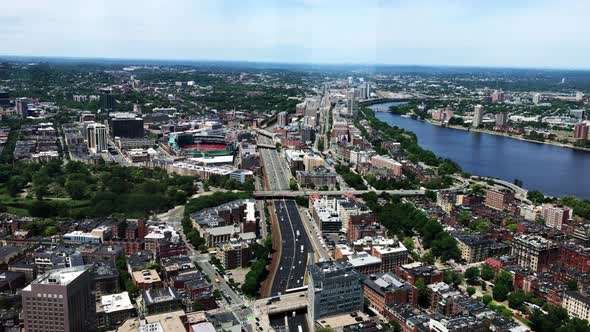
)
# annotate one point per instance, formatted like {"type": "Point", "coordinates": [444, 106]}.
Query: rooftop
{"type": "Point", "coordinates": [116, 302]}
{"type": "Point", "coordinates": [61, 277]}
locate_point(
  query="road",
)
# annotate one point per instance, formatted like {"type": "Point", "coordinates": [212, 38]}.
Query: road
{"type": "Point", "coordinates": [288, 193]}
{"type": "Point", "coordinates": [314, 231]}
{"type": "Point", "coordinates": [277, 170]}
{"type": "Point", "coordinates": [296, 248]}
{"type": "Point", "coordinates": [173, 217]}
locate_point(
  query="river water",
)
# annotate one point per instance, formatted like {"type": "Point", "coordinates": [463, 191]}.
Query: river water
{"type": "Point", "coordinates": [556, 171]}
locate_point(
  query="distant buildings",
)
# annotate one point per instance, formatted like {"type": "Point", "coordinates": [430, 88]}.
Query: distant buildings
{"type": "Point", "coordinates": [581, 131]}
{"type": "Point", "coordinates": [22, 107]}
{"type": "Point", "coordinates": [537, 97]}
{"type": "Point", "coordinates": [501, 119]}
{"type": "Point", "coordinates": [477, 116]}
{"type": "Point", "coordinates": [334, 288]}
{"type": "Point", "coordinates": [60, 300]}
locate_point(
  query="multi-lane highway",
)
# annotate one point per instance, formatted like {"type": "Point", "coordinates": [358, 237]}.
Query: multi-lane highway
{"type": "Point", "coordinates": [295, 251]}
{"type": "Point", "coordinates": [277, 171]}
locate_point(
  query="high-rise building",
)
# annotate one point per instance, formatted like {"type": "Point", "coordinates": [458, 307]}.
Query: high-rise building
{"type": "Point", "coordinates": [60, 300]}
{"type": "Point", "coordinates": [97, 137]}
{"type": "Point", "coordinates": [363, 91]}
{"type": "Point", "coordinates": [497, 96]}
{"type": "Point", "coordinates": [581, 131]}
{"type": "Point", "coordinates": [282, 119]}
{"type": "Point", "coordinates": [368, 90]}
{"type": "Point", "coordinates": [107, 100]}
{"type": "Point", "coordinates": [4, 99]}
{"type": "Point", "coordinates": [22, 107]}
{"type": "Point", "coordinates": [477, 116]}
{"type": "Point", "coordinates": [555, 216]}
{"type": "Point", "coordinates": [537, 98]}
{"type": "Point", "coordinates": [335, 288]}
{"type": "Point", "coordinates": [126, 125]}
{"type": "Point", "coordinates": [579, 96]}
{"type": "Point", "coordinates": [136, 108]}
{"type": "Point", "coordinates": [352, 102]}
{"type": "Point", "coordinates": [501, 119]}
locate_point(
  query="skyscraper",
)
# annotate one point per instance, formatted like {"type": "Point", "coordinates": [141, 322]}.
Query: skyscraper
{"type": "Point", "coordinates": [97, 137]}
{"type": "Point", "coordinates": [282, 119]}
{"type": "Point", "coordinates": [22, 107]}
{"type": "Point", "coordinates": [352, 102]}
{"type": "Point", "coordinates": [334, 288]}
{"type": "Point", "coordinates": [537, 98]}
{"type": "Point", "coordinates": [60, 300]}
{"type": "Point", "coordinates": [4, 99]}
{"type": "Point", "coordinates": [107, 101]}
{"type": "Point", "coordinates": [477, 116]}
{"type": "Point", "coordinates": [501, 119]}
{"type": "Point", "coordinates": [581, 131]}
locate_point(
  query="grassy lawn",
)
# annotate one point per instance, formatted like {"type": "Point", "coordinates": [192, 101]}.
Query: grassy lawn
{"type": "Point", "coordinates": [20, 206]}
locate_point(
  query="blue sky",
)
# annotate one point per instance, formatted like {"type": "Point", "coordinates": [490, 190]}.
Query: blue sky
{"type": "Point", "coordinates": [517, 33]}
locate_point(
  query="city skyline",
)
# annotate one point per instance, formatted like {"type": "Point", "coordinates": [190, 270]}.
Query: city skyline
{"type": "Point", "coordinates": [459, 33]}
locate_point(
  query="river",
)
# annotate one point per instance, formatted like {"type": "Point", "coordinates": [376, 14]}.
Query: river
{"type": "Point", "coordinates": [554, 170]}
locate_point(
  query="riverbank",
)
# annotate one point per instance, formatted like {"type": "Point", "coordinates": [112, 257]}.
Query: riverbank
{"type": "Point", "coordinates": [520, 138]}
{"type": "Point", "coordinates": [497, 133]}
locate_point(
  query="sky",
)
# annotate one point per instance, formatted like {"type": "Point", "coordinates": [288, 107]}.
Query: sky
{"type": "Point", "coordinates": [507, 33]}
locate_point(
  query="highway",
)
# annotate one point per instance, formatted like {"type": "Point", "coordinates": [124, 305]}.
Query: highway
{"type": "Point", "coordinates": [292, 194]}
{"type": "Point", "coordinates": [277, 170]}
{"type": "Point", "coordinates": [295, 246]}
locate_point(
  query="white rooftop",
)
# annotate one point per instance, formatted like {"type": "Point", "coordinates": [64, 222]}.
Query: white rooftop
{"type": "Point", "coordinates": [116, 302]}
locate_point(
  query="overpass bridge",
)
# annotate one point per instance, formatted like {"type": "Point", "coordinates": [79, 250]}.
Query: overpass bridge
{"type": "Point", "coordinates": [266, 146]}
{"type": "Point", "coordinates": [284, 303]}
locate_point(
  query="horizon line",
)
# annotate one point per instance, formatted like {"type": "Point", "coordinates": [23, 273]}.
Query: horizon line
{"type": "Point", "coordinates": [300, 63]}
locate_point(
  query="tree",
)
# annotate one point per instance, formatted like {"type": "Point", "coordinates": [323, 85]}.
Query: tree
{"type": "Point", "coordinates": [431, 195]}
{"type": "Point", "coordinates": [535, 196]}
{"type": "Point", "coordinates": [516, 299]}
{"type": "Point", "coordinates": [324, 329]}
{"type": "Point", "coordinates": [422, 292]}
{"type": "Point", "coordinates": [504, 278]}
{"type": "Point", "coordinates": [76, 189]}
{"type": "Point", "coordinates": [477, 190]}
{"type": "Point", "coordinates": [486, 299]}
{"type": "Point", "coordinates": [293, 184]}
{"type": "Point", "coordinates": [428, 258]}
{"type": "Point", "coordinates": [472, 274]}
{"type": "Point", "coordinates": [470, 290]}
{"type": "Point", "coordinates": [572, 285]}
{"type": "Point", "coordinates": [500, 292]}
{"type": "Point", "coordinates": [487, 273]}
{"type": "Point", "coordinates": [408, 242]}
{"type": "Point", "coordinates": [453, 278]}
{"type": "Point", "coordinates": [518, 182]}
